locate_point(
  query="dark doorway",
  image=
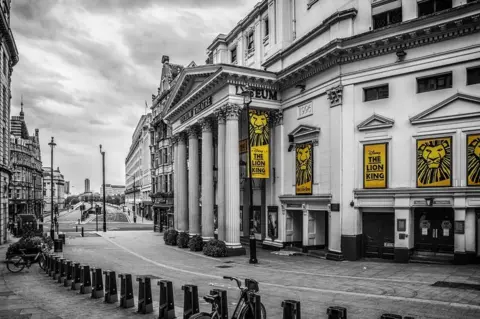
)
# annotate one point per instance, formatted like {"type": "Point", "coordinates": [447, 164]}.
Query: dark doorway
{"type": "Point", "coordinates": [379, 235]}
{"type": "Point", "coordinates": [434, 229]}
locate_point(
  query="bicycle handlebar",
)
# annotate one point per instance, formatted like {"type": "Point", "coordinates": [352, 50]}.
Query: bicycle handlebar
{"type": "Point", "coordinates": [239, 282]}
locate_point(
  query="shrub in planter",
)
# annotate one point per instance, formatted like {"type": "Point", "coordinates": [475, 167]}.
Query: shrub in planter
{"type": "Point", "coordinates": [215, 248]}
{"type": "Point", "coordinates": [170, 237]}
{"type": "Point", "coordinates": [182, 240]}
{"type": "Point", "coordinates": [196, 243]}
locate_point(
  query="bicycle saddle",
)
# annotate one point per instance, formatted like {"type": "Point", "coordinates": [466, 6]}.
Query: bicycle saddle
{"type": "Point", "coordinates": [210, 298]}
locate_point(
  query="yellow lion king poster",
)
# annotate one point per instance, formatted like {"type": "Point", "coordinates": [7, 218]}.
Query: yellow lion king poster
{"type": "Point", "coordinates": [375, 165]}
{"type": "Point", "coordinates": [304, 169]}
{"type": "Point", "coordinates": [434, 162]}
{"type": "Point", "coordinates": [259, 143]}
{"type": "Point", "coordinates": [473, 160]}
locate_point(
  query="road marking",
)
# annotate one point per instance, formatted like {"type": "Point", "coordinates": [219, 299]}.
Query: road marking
{"type": "Point", "coordinates": [318, 290]}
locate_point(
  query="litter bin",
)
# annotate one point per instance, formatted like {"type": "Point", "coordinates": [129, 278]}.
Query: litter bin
{"type": "Point", "coordinates": [57, 245]}
{"type": "Point", "coordinates": [62, 237]}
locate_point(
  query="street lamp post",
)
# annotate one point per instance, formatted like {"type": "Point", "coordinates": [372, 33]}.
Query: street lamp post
{"type": "Point", "coordinates": [247, 99]}
{"type": "Point", "coordinates": [104, 211]}
{"type": "Point", "coordinates": [52, 230]}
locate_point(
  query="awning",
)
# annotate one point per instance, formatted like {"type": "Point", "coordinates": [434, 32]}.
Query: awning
{"type": "Point", "coordinates": [162, 206]}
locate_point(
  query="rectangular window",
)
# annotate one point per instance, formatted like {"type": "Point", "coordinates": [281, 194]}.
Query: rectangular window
{"type": "Point", "coordinates": [4, 64]}
{"type": "Point", "coordinates": [387, 18]}
{"type": "Point", "coordinates": [165, 156]}
{"type": "Point", "coordinates": [165, 183]}
{"type": "Point", "coordinates": [376, 93]}
{"type": "Point", "coordinates": [431, 6]}
{"type": "Point", "coordinates": [170, 176]}
{"type": "Point", "coordinates": [5, 106]}
{"type": "Point", "coordinates": [250, 45]}
{"type": "Point", "coordinates": [473, 75]}
{"type": "Point", "coordinates": [234, 55]}
{"type": "Point", "coordinates": [434, 83]}
{"type": "Point", "coordinates": [267, 29]}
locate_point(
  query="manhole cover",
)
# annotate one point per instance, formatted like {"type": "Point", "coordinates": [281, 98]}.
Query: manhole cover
{"type": "Point", "coordinates": [458, 285]}
{"type": "Point", "coordinates": [224, 266]}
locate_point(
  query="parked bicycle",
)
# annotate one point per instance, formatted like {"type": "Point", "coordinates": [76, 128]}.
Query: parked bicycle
{"type": "Point", "coordinates": [18, 262]}
{"type": "Point", "coordinates": [245, 306]}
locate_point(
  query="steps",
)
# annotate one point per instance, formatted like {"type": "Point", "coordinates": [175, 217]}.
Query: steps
{"type": "Point", "coordinates": [428, 257]}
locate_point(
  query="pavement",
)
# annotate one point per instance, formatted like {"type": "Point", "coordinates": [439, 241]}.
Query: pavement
{"type": "Point", "coordinates": [367, 289]}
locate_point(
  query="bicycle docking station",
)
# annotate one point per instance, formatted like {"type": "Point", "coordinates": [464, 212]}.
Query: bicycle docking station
{"type": "Point", "coordinates": [53, 265]}
{"type": "Point", "coordinates": [166, 304]}
{"type": "Point", "coordinates": [126, 291]}
{"type": "Point", "coordinates": [69, 274]}
{"type": "Point", "coordinates": [145, 304]}
{"type": "Point", "coordinates": [76, 276]}
{"type": "Point", "coordinates": [335, 312]}
{"type": "Point", "coordinates": [291, 309]}
{"type": "Point", "coordinates": [111, 295]}
{"type": "Point", "coordinates": [190, 301]}
{"type": "Point", "coordinates": [86, 283]}
{"type": "Point", "coordinates": [48, 262]}
{"type": "Point", "coordinates": [222, 302]}
{"type": "Point", "coordinates": [62, 273]}
{"type": "Point", "coordinates": [56, 276]}
{"type": "Point", "coordinates": [97, 283]}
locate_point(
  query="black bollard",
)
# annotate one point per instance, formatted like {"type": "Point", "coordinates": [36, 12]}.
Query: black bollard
{"type": "Point", "coordinates": [76, 228]}
{"type": "Point", "coordinates": [167, 306]}
{"type": "Point", "coordinates": [190, 301]}
{"type": "Point", "coordinates": [291, 309]}
{"type": "Point", "coordinates": [82, 232]}
{"type": "Point", "coordinates": [337, 312]}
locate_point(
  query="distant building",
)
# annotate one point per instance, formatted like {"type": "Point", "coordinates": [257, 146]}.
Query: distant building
{"type": "Point", "coordinates": [25, 191]}
{"type": "Point", "coordinates": [8, 59]}
{"type": "Point", "coordinates": [58, 189]}
{"type": "Point", "coordinates": [137, 170]}
{"type": "Point", "coordinates": [87, 185]}
{"type": "Point", "coordinates": [67, 187]}
{"type": "Point", "coordinates": [112, 190]}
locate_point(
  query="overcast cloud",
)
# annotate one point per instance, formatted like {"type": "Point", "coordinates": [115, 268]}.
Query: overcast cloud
{"type": "Point", "coordinates": [87, 66]}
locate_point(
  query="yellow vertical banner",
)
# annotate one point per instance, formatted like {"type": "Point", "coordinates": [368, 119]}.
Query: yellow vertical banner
{"type": "Point", "coordinates": [473, 160]}
{"type": "Point", "coordinates": [259, 133]}
{"type": "Point", "coordinates": [375, 166]}
{"type": "Point", "coordinates": [434, 162]}
{"type": "Point", "coordinates": [304, 169]}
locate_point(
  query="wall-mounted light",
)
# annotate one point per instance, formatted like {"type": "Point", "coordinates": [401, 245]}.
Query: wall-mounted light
{"type": "Point", "coordinates": [352, 203]}
{"type": "Point", "coordinates": [429, 201]}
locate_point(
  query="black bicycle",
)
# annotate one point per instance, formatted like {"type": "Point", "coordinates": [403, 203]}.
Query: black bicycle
{"type": "Point", "coordinates": [18, 262]}
{"type": "Point", "coordinates": [245, 306]}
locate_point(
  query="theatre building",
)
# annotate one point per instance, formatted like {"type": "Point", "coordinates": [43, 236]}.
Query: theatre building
{"type": "Point", "coordinates": [362, 128]}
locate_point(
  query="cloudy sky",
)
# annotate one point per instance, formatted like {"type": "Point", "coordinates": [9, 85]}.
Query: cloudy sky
{"type": "Point", "coordinates": [87, 66]}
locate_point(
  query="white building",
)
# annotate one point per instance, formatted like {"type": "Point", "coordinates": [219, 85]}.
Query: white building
{"type": "Point", "coordinates": [58, 189]}
{"type": "Point", "coordinates": [112, 190]}
{"type": "Point", "coordinates": [370, 110]}
{"type": "Point", "coordinates": [137, 169]}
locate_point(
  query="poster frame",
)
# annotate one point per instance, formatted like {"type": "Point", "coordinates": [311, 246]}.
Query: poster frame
{"type": "Point", "coordinates": [313, 166]}
{"type": "Point", "coordinates": [386, 165]}
{"type": "Point", "coordinates": [451, 161]}
{"type": "Point", "coordinates": [466, 159]}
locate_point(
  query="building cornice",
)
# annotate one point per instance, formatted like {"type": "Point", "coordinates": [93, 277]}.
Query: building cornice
{"type": "Point", "coordinates": [407, 35]}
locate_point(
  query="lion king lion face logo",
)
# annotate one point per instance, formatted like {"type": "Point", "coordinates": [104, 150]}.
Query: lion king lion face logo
{"type": "Point", "coordinates": [473, 156]}
{"type": "Point", "coordinates": [258, 128]}
{"type": "Point", "coordinates": [304, 164]}
{"type": "Point", "coordinates": [434, 161]}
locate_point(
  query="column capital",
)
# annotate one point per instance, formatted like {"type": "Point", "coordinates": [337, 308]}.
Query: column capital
{"type": "Point", "coordinates": [276, 117]}
{"type": "Point", "coordinates": [175, 138]}
{"type": "Point", "coordinates": [232, 111]}
{"type": "Point", "coordinates": [193, 131]}
{"type": "Point", "coordinates": [181, 137]}
{"type": "Point", "coordinates": [206, 124]}
{"type": "Point", "coordinates": [220, 114]}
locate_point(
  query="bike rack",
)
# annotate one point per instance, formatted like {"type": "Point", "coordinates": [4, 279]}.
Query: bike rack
{"type": "Point", "coordinates": [48, 259]}
{"type": "Point", "coordinates": [335, 312]}
{"type": "Point", "coordinates": [167, 306]}
{"type": "Point", "coordinates": [190, 301]}
{"type": "Point", "coordinates": [57, 268]}
{"type": "Point", "coordinates": [97, 283]}
{"type": "Point", "coordinates": [111, 295]}
{"type": "Point", "coordinates": [126, 291]}
{"type": "Point", "coordinates": [291, 309]}
{"type": "Point", "coordinates": [62, 273]}
{"type": "Point", "coordinates": [86, 283]}
{"type": "Point", "coordinates": [68, 275]}
{"type": "Point", "coordinates": [53, 265]}
{"type": "Point", "coordinates": [144, 295]}
{"type": "Point", "coordinates": [76, 280]}
{"type": "Point", "coordinates": [223, 303]}
{"type": "Point", "coordinates": [257, 306]}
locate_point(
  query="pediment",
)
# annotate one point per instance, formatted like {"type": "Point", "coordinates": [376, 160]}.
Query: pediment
{"type": "Point", "coordinates": [305, 132]}
{"type": "Point", "coordinates": [457, 107]}
{"type": "Point", "coordinates": [374, 122]}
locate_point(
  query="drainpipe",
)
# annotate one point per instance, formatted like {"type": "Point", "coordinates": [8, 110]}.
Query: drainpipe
{"type": "Point", "coordinates": [294, 21]}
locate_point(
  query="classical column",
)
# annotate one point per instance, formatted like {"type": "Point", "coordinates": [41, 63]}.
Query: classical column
{"type": "Point", "coordinates": [207, 179]}
{"type": "Point", "coordinates": [220, 113]}
{"type": "Point", "coordinates": [193, 182]}
{"type": "Point", "coordinates": [182, 190]}
{"type": "Point", "coordinates": [175, 183]}
{"type": "Point", "coordinates": [232, 182]}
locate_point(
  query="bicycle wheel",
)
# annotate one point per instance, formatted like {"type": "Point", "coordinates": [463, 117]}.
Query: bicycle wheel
{"type": "Point", "coordinates": [202, 315]}
{"type": "Point", "coordinates": [15, 263]}
{"type": "Point", "coordinates": [246, 313]}
{"type": "Point", "coordinates": [41, 262]}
